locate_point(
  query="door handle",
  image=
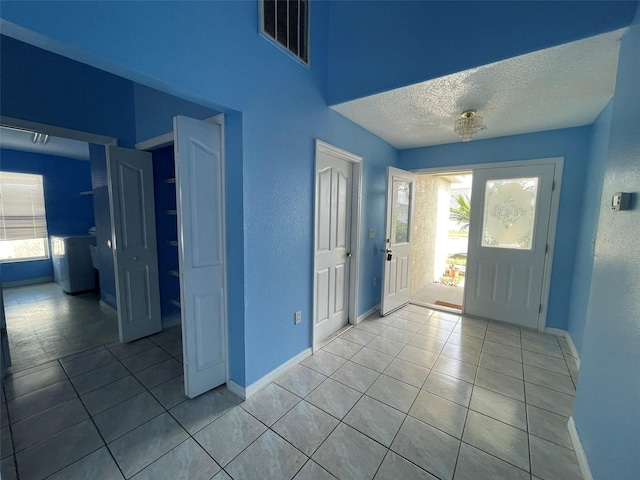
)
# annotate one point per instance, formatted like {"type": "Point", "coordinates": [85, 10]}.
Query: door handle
{"type": "Point", "coordinates": [348, 254]}
{"type": "Point", "coordinates": [383, 250]}
{"type": "Point", "coordinates": [135, 259]}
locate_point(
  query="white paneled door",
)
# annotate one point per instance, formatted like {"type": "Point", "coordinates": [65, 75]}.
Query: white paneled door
{"type": "Point", "coordinates": [508, 237]}
{"type": "Point", "coordinates": [201, 232]}
{"type": "Point", "coordinates": [134, 242]}
{"type": "Point", "coordinates": [397, 252]}
{"type": "Point", "coordinates": [334, 187]}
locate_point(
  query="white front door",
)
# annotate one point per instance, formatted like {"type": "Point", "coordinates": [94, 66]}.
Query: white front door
{"type": "Point", "coordinates": [334, 186]}
{"type": "Point", "coordinates": [134, 242]}
{"type": "Point", "coordinates": [510, 211]}
{"type": "Point", "coordinates": [396, 273]}
{"type": "Point", "coordinates": [200, 196]}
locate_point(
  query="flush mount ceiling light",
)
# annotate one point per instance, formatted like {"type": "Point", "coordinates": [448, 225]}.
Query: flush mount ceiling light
{"type": "Point", "coordinates": [40, 138]}
{"type": "Point", "coordinates": [468, 125]}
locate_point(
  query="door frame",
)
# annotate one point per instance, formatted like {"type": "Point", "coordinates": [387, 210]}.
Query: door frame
{"type": "Point", "coordinates": [356, 208]}
{"type": "Point", "coordinates": [553, 215]}
{"type": "Point", "coordinates": [167, 139]}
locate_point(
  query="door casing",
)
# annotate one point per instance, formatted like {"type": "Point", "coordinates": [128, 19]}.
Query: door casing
{"type": "Point", "coordinates": [356, 204]}
{"type": "Point", "coordinates": [553, 217]}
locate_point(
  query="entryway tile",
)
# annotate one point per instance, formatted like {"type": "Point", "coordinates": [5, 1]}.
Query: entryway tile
{"type": "Point", "coordinates": [497, 438]}
{"type": "Point", "coordinates": [349, 454]}
{"type": "Point", "coordinates": [548, 379]}
{"type": "Point", "coordinates": [504, 384]}
{"type": "Point", "coordinates": [47, 423]}
{"type": "Point", "coordinates": [355, 376]}
{"type": "Point", "coordinates": [268, 457]}
{"type": "Point", "coordinates": [356, 335]}
{"type": "Point", "coordinates": [501, 365]}
{"type": "Point", "coordinates": [539, 360]}
{"type": "Point", "coordinates": [547, 399]}
{"type": "Point", "coordinates": [40, 400]}
{"type": "Point", "coordinates": [500, 407]}
{"type": "Point", "coordinates": [300, 380]}
{"type": "Point", "coordinates": [229, 435]}
{"type": "Point", "coordinates": [171, 392]}
{"type": "Point", "coordinates": [342, 348]}
{"type": "Point", "coordinates": [386, 345]}
{"type": "Point", "coordinates": [407, 372]}
{"type": "Point", "coordinates": [425, 342]}
{"type": "Point", "coordinates": [48, 456]}
{"type": "Point", "coordinates": [159, 373]}
{"type": "Point", "coordinates": [394, 393]}
{"type": "Point", "coordinates": [440, 413]}
{"type": "Point", "coordinates": [324, 362]}
{"type": "Point", "coordinates": [103, 398]}
{"type": "Point", "coordinates": [454, 368]}
{"type": "Point", "coordinates": [120, 419]}
{"type": "Point", "coordinates": [451, 388]}
{"type": "Point", "coordinates": [474, 464]}
{"type": "Point", "coordinates": [16, 387]}
{"type": "Point", "coordinates": [305, 426]}
{"type": "Point", "coordinates": [147, 443]}
{"type": "Point", "coordinates": [427, 447]}
{"type": "Point", "coordinates": [145, 359]}
{"type": "Point", "coordinates": [550, 426]}
{"type": "Point", "coordinates": [313, 471]}
{"type": "Point", "coordinates": [98, 465]}
{"type": "Point", "coordinates": [372, 359]}
{"type": "Point", "coordinates": [418, 356]}
{"type": "Point", "coordinates": [195, 413]}
{"type": "Point", "coordinates": [187, 461]}
{"type": "Point", "coordinates": [395, 467]}
{"type": "Point", "coordinates": [334, 398]}
{"type": "Point", "coordinates": [270, 403]}
{"type": "Point", "coordinates": [553, 462]}
{"type": "Point", "coordinates": [375, 419]}
{"type": "Point", "coordinates": [99, 377]}
{"type": "Point", "coordinates": [84, 364]}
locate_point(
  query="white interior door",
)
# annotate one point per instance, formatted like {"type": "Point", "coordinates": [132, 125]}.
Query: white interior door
{"type": "Point", "coordinates": [201, 236]}
{"type": "Point", "coordinates": [134, 242]}
{"type": "Point", "coordinates": [334, 186]}
{"type": "Point", "coordinates": [510, 211]}
{"type": "Point", "coordinates": [396, 271]}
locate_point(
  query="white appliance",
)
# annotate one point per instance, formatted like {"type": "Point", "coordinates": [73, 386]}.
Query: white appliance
{"type": "Point", "coordinates": [72, 266]}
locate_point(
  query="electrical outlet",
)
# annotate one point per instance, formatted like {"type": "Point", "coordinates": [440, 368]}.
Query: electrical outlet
{"type": "Point", "coordinates": [372, 233]}
{"type": "Point", "coordinates": [298, 318]}
{"type": "Point", "coordinates": [375, 281]}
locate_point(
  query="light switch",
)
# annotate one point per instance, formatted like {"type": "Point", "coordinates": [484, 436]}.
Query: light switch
{"type": "Point", "coordinates": [372, 233]}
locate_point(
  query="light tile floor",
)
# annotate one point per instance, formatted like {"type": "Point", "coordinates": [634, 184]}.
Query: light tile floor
{"type": "Point", "coordinates": [416, 395]}
{"type": "Point", "coordinates": [44, 323]}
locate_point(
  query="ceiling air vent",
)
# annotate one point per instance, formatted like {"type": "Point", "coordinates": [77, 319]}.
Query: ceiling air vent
{"type": "Point", "coordinates": [286, 22]}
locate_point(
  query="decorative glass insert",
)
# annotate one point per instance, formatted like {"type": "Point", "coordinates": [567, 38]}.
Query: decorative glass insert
{"type": "Point", "coordinates": [400, 210]}
{"type": "Point", "coordinates": [286, 22]}
{"type": "Point", "coordinates": [509, 213]}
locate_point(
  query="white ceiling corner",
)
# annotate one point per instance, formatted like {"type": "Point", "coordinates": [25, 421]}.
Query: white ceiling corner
{"type": "Point", "coordinates": [559, 87]}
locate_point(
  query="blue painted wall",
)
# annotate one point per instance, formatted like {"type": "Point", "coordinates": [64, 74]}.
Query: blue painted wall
{"type": "Point", "coordinates": [591, 199]}
{"type": "Point", "coordinates": [376, 46]}
{"type": "Point", "coordinates": [606, 411]}
{"type": "Point", "coordinates": [101, 205]}
{"type": "Point", "coordinates": [68, 213]}
{"type": "Point", "coordinates": [42, 87]}
{"type": "Point", "coordinates": [270, 164]}
{"type": "Point", "coordinates": [573, 145]}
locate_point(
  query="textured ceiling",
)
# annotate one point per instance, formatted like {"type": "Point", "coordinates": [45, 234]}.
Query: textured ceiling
{"type": "Point", "coordinates": [560, 87]}
{"type": "Point", "coordinates": [61, 147]}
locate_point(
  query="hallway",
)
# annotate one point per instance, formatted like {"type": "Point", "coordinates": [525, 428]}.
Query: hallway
{"type": "Point", "coordinates": [392, 398]}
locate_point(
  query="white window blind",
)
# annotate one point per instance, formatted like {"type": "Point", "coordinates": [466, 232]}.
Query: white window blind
{"type": "Point", "coordinates": [22, 211]}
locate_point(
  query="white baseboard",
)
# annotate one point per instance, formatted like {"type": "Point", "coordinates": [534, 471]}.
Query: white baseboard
{"type": "Point", "coordinates": [368, 313]}
{"type": "Point", "coordinates": [237, 389]}
{"type": "Point", "coordinates": [574, 350]}
{"type": "Point", "coordinates": [247, 392]}
{"type": "Point", "coordinates": [107, 306]}
{"type": "Point", "coordinates": [580, 453]}
{"type": "Point", "coordinates": [172, 321]}
{"type": "Point", "coordinates": [30, 281]}
{"type": "Point", "coordinates": [563, 333]}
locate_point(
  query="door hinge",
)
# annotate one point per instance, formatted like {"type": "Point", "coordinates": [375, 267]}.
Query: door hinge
{"type": "Point", "coordinates": [553, 185]}
{"type": "Point", "coordinates": [546, 248]}
{"type": "Point", "coordinates": [540, 309]}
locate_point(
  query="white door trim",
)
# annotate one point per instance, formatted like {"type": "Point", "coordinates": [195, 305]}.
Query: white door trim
{"type": "Point", "coordinates": [168, 138]}
{"type": "Point", "coordinates": [356, 207]}
{"type": "Point", "coordinates": [54, 131]}
{"type": "Point", "coordinates": [553, 217]}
